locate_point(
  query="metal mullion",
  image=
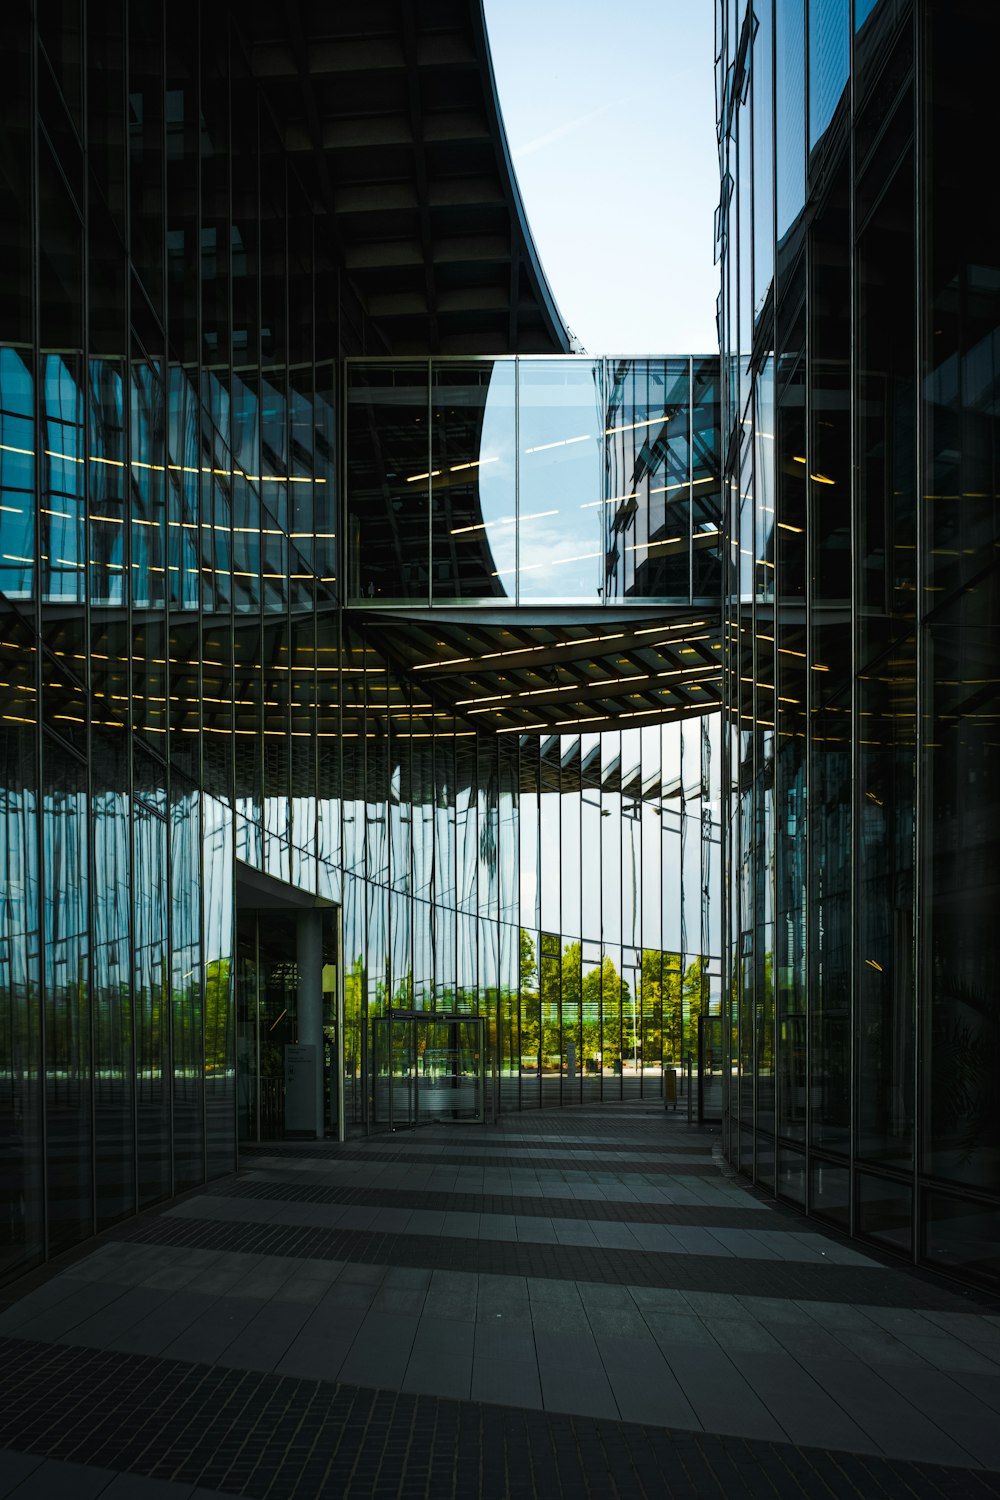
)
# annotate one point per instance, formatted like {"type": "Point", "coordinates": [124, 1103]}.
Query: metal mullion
{"type": "Point", "coordinates": [39, 754]}
{"type": "Point", "coordinates": [809, 693]}
{"type": "Point", "coordinates": [690, 482]}
{"type": "Point", "coordinates": [200, 628]}
{"type": "Point", "coordinates": [776, 1049]}
{"type": "Point", "coordinates": [231, 1007]}
{"type": "Point", "coordinates": [430, 488]}
{"type": "Point", "coordinates": [127, 613]}
{"type": "Point", "coordinates": [256, 1011]}
{"type": "Point", "coordinates": [921, 841]}
{"type": "Point", "coordinates": [165, 382]}
{"type": "Point", "coordinates": [854, 636]}
{"type": "Point", "coordinates": [517, 493]}
{"type": "Point", "coordinates": [88, 771]}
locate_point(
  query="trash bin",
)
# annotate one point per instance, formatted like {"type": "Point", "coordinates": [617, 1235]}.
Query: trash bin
{"type": "Point", "coordinates": [669, 1088]}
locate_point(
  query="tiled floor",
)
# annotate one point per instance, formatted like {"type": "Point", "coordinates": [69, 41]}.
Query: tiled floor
{"type": "Point", "coordinates": [570, 1303]}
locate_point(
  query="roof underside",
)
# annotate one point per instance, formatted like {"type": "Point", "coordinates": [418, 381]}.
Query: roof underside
{"type": "Point", "coordinates": [390, 111]}
{"type": "Point", "coordinates": [532, 674]}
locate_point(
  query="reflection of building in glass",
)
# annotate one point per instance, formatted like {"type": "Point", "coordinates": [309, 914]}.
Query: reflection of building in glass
{"type": "Point", "coordinates": [277, 858]}
{"type": "Point", "coordinates": [554, 481]}
{"type": "Point", "coordinates": [859, 317]}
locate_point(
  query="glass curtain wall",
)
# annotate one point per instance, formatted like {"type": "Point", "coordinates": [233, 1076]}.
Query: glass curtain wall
{"type": "Point", "coordinates": [465, 892]}
{"type": "Point", "coordinates": [859, 317]}
{"type": "Point", "coordinates": [530, 480]}
{"type": "Point", "coordinates": [182, 700]}
{"type": "Point", "coordinates": [167, 565]}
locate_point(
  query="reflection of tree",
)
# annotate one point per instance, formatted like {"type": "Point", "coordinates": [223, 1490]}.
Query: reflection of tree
{"type": "Point", "coordinates": [529, 962]}
{"type": "Point", "coordinates": [685, 997]}
{"type": "Point", "coordinates": [765, 1017]}
{"type": "Point", "coordinates": [530, 1027]}
{"type": "Point", "coordinates": [563, 1000]}
{"type": "Point", "coordinates": [354, 989]}
{"type": "Point", "coordinates": [217, 1008]}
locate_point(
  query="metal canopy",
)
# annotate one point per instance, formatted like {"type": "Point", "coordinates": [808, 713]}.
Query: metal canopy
{"type": "Point", "coordinates": [390, 109]}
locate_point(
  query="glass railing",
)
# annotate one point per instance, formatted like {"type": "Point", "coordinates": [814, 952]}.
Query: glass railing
{"type": "Point", "coordinates": [532, 480]}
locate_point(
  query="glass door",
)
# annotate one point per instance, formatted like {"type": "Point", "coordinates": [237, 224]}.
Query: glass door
{"type": "Point", "coordinates": [449, 1073]}
{"type": "Point", "coordinates": [427, 1070]}
{"type": "Point", "coordinates": [394, 1072]}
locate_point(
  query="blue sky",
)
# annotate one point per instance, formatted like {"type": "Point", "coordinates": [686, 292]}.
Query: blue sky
{"type": "Point", "coordinates": [609, 110]}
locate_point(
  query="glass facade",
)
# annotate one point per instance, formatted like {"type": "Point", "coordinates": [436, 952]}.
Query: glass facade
{"type": "Point", "coordinates": [533, 481]}
{"type": "Point", "coordinates": [859, 313]}
{"type": "Point", "coordinates": [242, 845]}
{"type": "Point", "coordinates": [563, 888]}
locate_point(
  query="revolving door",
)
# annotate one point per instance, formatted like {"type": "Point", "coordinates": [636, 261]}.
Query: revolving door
{"type": "Point", "coordinates": [427, 1069]}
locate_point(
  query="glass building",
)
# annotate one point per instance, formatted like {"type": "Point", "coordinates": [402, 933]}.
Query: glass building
{"type": "Point", "coordinates": [403, 718]}
{"type": "Point", "coordinates": [360, 680]}
{"type": "Point", "coordinates": [858, 320]}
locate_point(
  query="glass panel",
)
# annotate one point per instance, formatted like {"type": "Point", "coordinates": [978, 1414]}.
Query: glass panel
{"type": "Point", "coordinates": [829, 471]}
{"type": "Point", "coordinates": [706, 481]}
{"type": "Point", "coordinates": [388, 482]}
{"type": "Point", "coordinates": [217, 960]}
{"type": "Point", "coordinates": [646, 514]}
{"type": "Point", "coordinates": [188, 1016]}
{"type": "Point", "coordinates": [963, 1237]}
{"type": "Point", "coordinates": [792, 1176]}
{"type": "Point", "coordinates": [885, 1211]}
{"type": "Point", "coordinates": [67, 1002]}
{"type": "Point", "coordinates": [17, 48]}
{"type": "Point", "coordinates": [151, 1004]}
{"type": "Point", "coordinates": [22, 1212]}
{"type": "Point", "coordinates": [763, 169]}
{"type": "Point", "coordinates": [790, 144]}
{"type": "Point", "coordinates": [473, 522]}
{"type": "Point", "coordinates": [962, 833]}
{"type": "Point", "coordinates": [830, 1192]}
{"type": "Point", "coordinates": [561, 441]}
{"type": "Point", "coordinates": [17, 476]}
{"type": "Point", "coordinates": [114, 1073]}
{"type": "Point", "coordinates": [829, 61]}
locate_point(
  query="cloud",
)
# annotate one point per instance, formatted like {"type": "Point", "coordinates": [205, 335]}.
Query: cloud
{"type": "Point", "coordinates": [570, 126]}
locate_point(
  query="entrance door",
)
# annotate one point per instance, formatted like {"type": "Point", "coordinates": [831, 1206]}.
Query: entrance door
{"type": "Point", "coordinates": [277, 1041]}
{"type": "Point", "coordinates": [394, 1056]}
{"type": "Point", "coordinates": [427, 1069]}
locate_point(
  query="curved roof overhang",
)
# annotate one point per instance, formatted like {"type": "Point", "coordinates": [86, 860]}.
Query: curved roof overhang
{"type": "Point", "coordinates": [391, 113]}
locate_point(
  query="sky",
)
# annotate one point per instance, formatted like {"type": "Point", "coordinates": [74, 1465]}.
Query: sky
{"type": "Point", "coordinates": [609, 108]}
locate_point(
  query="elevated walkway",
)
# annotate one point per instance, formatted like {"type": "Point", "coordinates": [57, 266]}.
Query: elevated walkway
{"type": "Point", "coordinates": [537, 539]}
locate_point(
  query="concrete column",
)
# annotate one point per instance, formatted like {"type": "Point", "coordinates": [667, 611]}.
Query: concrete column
{"type": "Point", "coordinates": [309, 954]}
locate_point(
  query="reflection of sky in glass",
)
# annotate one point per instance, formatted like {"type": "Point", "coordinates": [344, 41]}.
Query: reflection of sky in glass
{"type": "Point", "coordinates": [561, 437]}
{"type": "Point", "coordinates": [592, 503]}
{"type": "Point", "coordinates": [496, 475]}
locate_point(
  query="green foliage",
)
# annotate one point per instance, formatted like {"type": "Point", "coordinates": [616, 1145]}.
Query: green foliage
{"type": "Point", "coordinates": [218, 1007]}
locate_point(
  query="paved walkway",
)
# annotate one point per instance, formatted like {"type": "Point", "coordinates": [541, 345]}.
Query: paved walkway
{"type": "Point", "coordinates": [578, 1303]}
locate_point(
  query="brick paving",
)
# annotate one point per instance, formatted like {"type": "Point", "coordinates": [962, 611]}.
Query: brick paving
{"type": "Point", "coordinates": [466, 1313]}
{"type": "Point", "coordinates": [516, 1203]}
{"type": "Point", "coordinates": [876, 1286]}
{"type": "Point", "coordinates": [247, 1433]}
